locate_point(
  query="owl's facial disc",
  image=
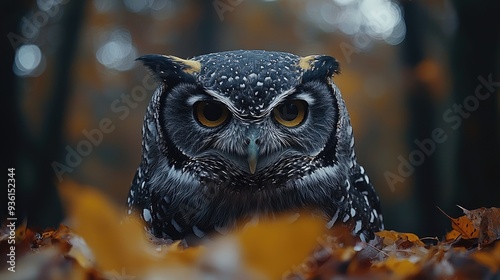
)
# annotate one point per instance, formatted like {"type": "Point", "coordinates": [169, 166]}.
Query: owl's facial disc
{"type": "Point", "coordinates": [214, 114]}
{"type": "Point", "coordinates": [255, 145]}
{"type": "Point", "coordinates": [289, 114]}
{"type": "Point", "coordinates": [250, 143]}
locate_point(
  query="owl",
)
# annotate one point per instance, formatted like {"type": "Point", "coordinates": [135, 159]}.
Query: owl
{"type": "Point", "coordinates": [236, 135]}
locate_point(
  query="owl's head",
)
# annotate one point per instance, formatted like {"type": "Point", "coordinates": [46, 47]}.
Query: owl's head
{"type": "Point", "coordinates": [248, 111]}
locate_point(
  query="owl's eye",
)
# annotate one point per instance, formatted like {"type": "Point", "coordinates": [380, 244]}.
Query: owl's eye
{"type": "Point", "coordinates": [291, 113]}
{"type": "Point", "coordinates": [210, 114]}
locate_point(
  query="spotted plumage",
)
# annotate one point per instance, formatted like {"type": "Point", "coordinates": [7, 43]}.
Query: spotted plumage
{"type": "Point", "coordinates": [236, 135]}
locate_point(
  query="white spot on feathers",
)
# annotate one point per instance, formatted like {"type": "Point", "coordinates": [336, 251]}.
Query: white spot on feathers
{"type": "Point", "coordinates": [332, 221]}
{"type": "Point", "coordinates": [198, 232]}
{"type": "Point", "coordinates": [357, 228]}
{"type": "Point", "coordinates": [146, 214]}
{"type": "Point", "coordinates": [176, 225]}
{"type": "Point", "coordinates": [346, 218]}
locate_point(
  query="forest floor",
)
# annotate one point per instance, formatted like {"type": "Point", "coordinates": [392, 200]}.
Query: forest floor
{"type": "Point", "coordinates": [97, 242]}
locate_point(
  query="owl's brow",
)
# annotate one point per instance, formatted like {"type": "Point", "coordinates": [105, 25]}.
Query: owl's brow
{"type": "Point", "coordinates": [201, 95]}
{"type": "Point", "coordinates": [227, 101]}
{"type": "Point", "coordinates": [223, 99]}
{"type": "Point", "coordinates": [280, 98]}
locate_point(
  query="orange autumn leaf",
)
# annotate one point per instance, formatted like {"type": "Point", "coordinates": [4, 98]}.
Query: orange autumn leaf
{"type": "Point", "coordinates": [452, 235]}
{"type": "Point", "coordinates": [400, 266]}
{"type": "Point", "coordinates": [463, 225]}
{"type": "Point", "coordinates": [391, 237]}
{"type": "Point", "coordinates": [489, 259]}
{"type": "Point", "coordinates": [273, 247]}
{"type": "Point", "coordinates": [116, 241]}
{"type": "Point", "coordinates": [486, 221]}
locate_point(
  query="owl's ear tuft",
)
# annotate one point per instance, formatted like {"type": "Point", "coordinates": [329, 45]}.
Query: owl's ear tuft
{"type": "Point", "coordinates": [170, 69]}
{"type": "Point", "coordinates": [319, 67]}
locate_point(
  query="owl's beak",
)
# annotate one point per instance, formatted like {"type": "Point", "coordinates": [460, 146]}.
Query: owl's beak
{"type": "Point", "coordinates": [253, 154]}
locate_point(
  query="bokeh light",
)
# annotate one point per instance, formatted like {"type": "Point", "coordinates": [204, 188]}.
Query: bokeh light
{"type": "Point", "coordinates": [49, 5]}
{"type": "Point", "coordinates": [378, 20]}
{"type": "Point", "coordinates": [117, 52]}
{"type": "Point", "coordinates": [159, 9]}
{"type": "Point", "coordinates": [28, 60]}
{"type": "Point", "coordinates": [104, 6]}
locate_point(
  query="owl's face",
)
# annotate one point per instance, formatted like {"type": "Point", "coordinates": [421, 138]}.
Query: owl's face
{"type": "Point", "coordinates": [247, 111]}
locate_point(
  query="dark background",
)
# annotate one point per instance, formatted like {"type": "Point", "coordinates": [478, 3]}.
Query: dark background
{"type": "Point", "coordinates": [411, 71]}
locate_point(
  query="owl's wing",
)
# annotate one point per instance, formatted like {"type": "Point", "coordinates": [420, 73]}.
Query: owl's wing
{"type": "Point", "coordinates": [365, 205]}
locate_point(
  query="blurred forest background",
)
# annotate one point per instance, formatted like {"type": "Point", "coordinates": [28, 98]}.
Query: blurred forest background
{"type": "Point", "coordinates": [420, 79]}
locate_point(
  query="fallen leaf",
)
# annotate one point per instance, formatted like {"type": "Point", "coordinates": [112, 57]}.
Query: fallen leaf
{"type": "Point", "coordinates": [101, 244]}
{"type": "Point", "coordinates": [452, 235]}
{"type": "Point", "coordinates": [402, 267]}
{"type": "Point", "coordinates": [115, 243]}
{"type": "Point", "coordinates": [273, 247]}
{"type": "Point", "coordinates": [489, 259]}
{"type": "Point", "coordinates": [463, 225]}
{"type": "Point", "coordinates": [399, 238]}
{"type": "Point", "coordinates": [487, 221]}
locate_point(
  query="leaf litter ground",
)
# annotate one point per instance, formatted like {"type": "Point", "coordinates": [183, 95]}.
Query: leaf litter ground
{"type": "Point", "coordinates": [97, 242]}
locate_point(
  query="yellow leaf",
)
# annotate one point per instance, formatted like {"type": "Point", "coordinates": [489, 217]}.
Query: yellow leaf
{"type": "Point", "coordinates": [273, 247]}
{"type": "Point", "coordinates": [116, 243]}
{"type": "Point", "coordinates": [80, 252]}
{"type": "Point", "coordinates": [393, 236]}
{"type": "Point", "coordinates": [487, 259]}
{"type": "Point", "coordinates": [464, 226]}
{"type": "Point", "coordinates": [401, 267]}
{"type": "Point", "coordinates": [119, 243]}
{"type": "Point", "coordinates": [452, 235]}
